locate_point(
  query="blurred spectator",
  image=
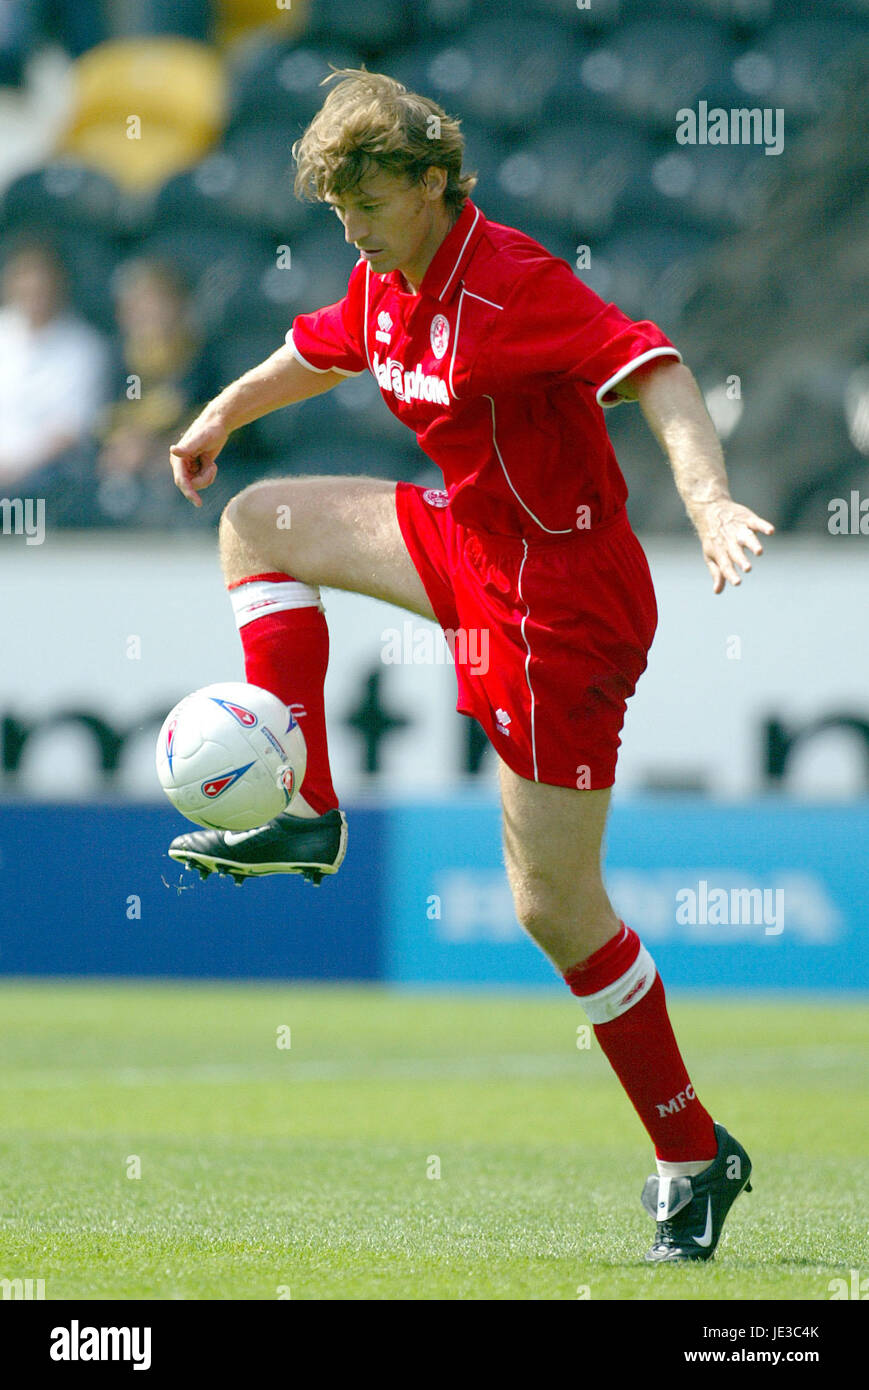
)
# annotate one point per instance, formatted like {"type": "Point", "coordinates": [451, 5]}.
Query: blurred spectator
{"type": "Point", "coordinates": [53, 369]}
{"type": "Point", "coordinates": [164, 376]}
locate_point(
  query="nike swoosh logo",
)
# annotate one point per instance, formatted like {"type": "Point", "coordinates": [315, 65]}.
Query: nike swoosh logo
{"type": "Point", "coordinates": [706, 1238]}
{"type": "Point", "coordinates": [237, 837]}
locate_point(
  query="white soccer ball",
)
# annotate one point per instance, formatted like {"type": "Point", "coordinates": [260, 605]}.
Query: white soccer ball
{"type": "Point", "coordinates": [231, 756]}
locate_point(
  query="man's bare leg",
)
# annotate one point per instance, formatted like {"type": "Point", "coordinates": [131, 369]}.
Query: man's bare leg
{"type": "Point", "coordinates": [552, 843]}
{"type": "Point", "coordinates": [552, 848]}
{"type": "Point", "coordinates": [341, 533]}
{"type": "Point", "coordinates": [280, 540]}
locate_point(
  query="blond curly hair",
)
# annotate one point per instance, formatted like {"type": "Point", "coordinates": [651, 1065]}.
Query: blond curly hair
{"type": "Point", "coordinates": [371, 122]}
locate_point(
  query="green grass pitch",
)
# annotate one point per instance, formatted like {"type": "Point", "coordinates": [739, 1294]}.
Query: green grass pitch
{"type": "Point", "coordinates": [309, 1171]}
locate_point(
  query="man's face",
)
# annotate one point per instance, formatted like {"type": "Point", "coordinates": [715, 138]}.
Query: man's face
{"type": "Point", "coordinates": [393, 225]}
{"type": "Point", "coordinates": [148, 307]}
{"type": "Point", "coordinates": [31, 285]}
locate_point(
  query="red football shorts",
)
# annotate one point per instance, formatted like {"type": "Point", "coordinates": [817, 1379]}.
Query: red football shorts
{"type": "Point", "coordinates": [549, 638]}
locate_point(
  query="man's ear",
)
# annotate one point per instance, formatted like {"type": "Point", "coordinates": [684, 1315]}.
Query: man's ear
{"type": "Point", "coordinates": [435, 180]}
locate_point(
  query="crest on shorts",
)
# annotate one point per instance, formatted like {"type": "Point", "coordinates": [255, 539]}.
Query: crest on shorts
{"type": "Point", "coordinates": [436, 497]}
{"type": "Point", "coordinates": [440, 335]}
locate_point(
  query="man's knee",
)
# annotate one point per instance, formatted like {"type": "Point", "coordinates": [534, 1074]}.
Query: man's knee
{"type": "Point", "coordinates": [543, 905]}
{"type": "Point", "coordinates": [256, 512]}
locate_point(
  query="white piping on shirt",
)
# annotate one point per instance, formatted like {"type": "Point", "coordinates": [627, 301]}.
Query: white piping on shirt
{"type": "Point", "coordinates": [455, 345]}
{"type": "Point", "coordinates": [456, 336]}
{"type": "Point", "coordinates": [321, 371]}
{"type": "Point", "coordinates": [461, 253]}
{"type": "Point", "coordinates": [631, 367]}
{"type": "Point", "coordinates": [528, 662]}
{"type": "Point", "coordinates": [550, 530]}
{"type": "Point", "coordinates": [365, 313]}
{"type": "Point", "coordinates": [485, 301]}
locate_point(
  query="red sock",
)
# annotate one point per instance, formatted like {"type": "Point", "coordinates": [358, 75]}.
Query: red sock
{"type": "Point", "coordinates": [286, 650]}
{"type": "Point", "coordinates": [622, 993]}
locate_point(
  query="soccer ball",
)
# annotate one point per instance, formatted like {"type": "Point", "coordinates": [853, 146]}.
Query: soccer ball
{"type": "Point", "coordinates": [231, 756]}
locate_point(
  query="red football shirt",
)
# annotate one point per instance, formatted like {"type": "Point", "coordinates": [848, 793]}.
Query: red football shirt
{"type": "Point", "coordinates": [499, 365]}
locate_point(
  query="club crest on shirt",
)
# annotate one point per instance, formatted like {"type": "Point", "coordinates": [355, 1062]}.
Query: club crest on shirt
{"type": "Point", "coordinates": [436, 497]}
{"type": "Point", "coordinates": [440, 335]}
{"type": "Point", "coordinates": [384, 326]}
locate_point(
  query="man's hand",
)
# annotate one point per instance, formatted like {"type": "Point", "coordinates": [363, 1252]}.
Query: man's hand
{"type": "Point", "coordinates": [193, 457]}
{"type": "Point", "coordinates": [724, 528]}
{"type": "Point", "coordinates": [676, 413]}
{"type": "Point", "coordinates": [281, 380]}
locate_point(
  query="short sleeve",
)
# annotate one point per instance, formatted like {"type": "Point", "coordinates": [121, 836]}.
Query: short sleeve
{"type": "Point", "coordinates": [332, 338]}
{"type": "Point", "coordinates": [553, 326]}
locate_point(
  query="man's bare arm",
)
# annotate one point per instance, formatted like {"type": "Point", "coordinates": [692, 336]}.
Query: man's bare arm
{"type": "Point", "coordinates": [280, 380]}
{"type": "Point", "coordinates": [676, 413]}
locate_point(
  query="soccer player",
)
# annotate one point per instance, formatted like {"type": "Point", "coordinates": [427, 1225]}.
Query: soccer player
{"type": "Point", "coordinates": [500, 360]}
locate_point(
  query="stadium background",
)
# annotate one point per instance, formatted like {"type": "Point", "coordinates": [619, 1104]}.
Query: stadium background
{"type": "Point", "coordinates": [158, 131]}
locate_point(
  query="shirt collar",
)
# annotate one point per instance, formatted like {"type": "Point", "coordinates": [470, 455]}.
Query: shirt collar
{"type": "Point", "coordinates": [445, 268]}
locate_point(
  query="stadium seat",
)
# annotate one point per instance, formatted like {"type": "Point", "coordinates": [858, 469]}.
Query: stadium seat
{"type": "Point", "coordinates": [173, 88]}
{"type": "Point", "coordinates": [356, 410]}
{"type": "Point", "coordinates": [798, 65]}
{"type": "Point", "coordinates": [64, 193]}
{"type": "Point", "coordinates": [235, 353]}
{"type": "Point", "coordinates": [370, 27]}
{"type": "Point", "coordinates": [236, 189]}
{"type": "Point", "coordinates": [214, 261]}
{"type": "Point", "coordinates": [484, 152]}
{"type": "Point", "coordinates": [266, 297]}
{"type": "Point", "coordinates": [645, 470]}
{"type": "Point", "coordinates": [353, 418]}
{"type": "Point", "coordinates": [502, 73]}
{"type": "Point", "coordinates": [651, 271]}
{"type": "Point", "coordinates": [598, 16]}
{"type": "Point", "coordinates": [231, 358]}
{"type": "Point", "coordinates": [740, 16]}
{"type": "Point", "coordinates": [188, 19]}
{"type": "Point", "coordinates": [438, 18]}
{"type": "Point", "coordinates": [353, 412]}
{"type": "Point", "coordinates": [325, 453]}
{"type": "Point", "coordinates": [280, 81]}
{"type": "Point", "coordinates": [791, 414]}
{"type": "Point", "coordinates": [262, 154]}
{"type": "Point", "coordinates": [685, 185]}
{"type": "Point", "coordinates": [453, 17]}
{"type": "Point", "coordinates": [572, 177]}
{"type": "Point", "coordinates": [234, 19]}
{"type": "Point", "coordinates": [275, 437]}
{"type": "Point", "coordinates": [18, 35]}
{"type": "Point", "coordinates": [76, 28]}
{"type": "Point", "coordinates": [808, 9]}
{"type": "Point", "coordinates": [647, 70]}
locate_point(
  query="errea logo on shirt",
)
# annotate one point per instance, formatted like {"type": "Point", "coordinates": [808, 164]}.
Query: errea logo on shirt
{"type": "Point", "coordinates": [415, 385]}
